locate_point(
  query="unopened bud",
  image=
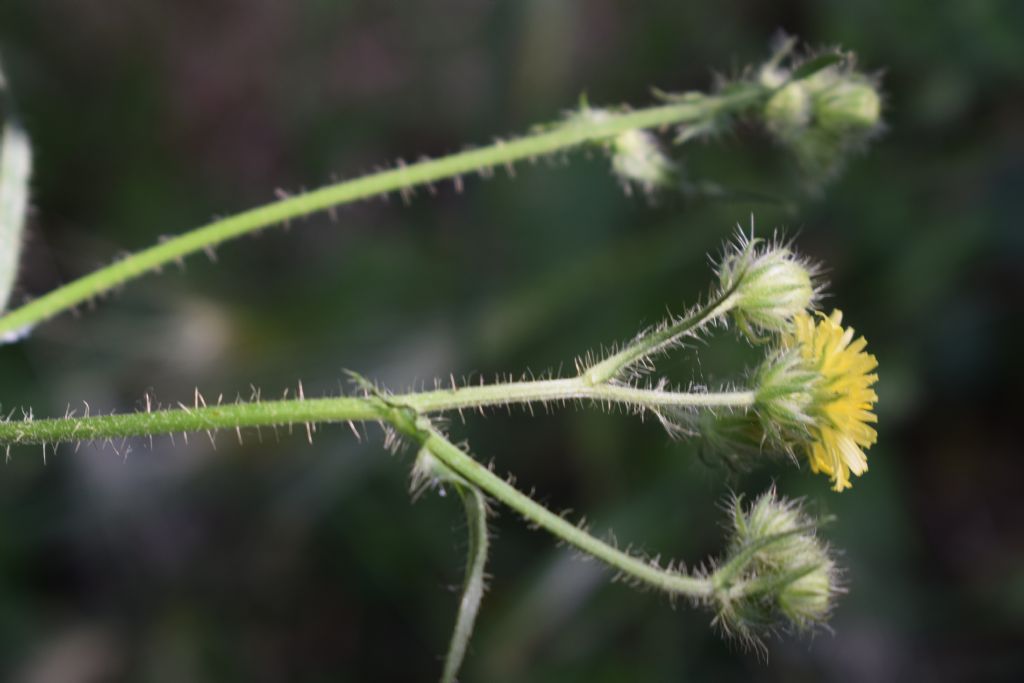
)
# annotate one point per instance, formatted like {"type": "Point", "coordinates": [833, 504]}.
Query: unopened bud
{"type": "Point", "coordinates": [806, 601]}
{"type": "Point", "coordinates": [788, 111]}
{"type": "Point", "coordinates": [770, 285]}
{"type": "Point", "coordinates": [769, 517]}
{"type": "Point", "coordinates": [823, 117]}
{"type": "Point", "coordinates": [850, 106]}
{"type": "Point", "coordinates": [637, 158]}
{"type": "Point", "coordinates": [777, 573]}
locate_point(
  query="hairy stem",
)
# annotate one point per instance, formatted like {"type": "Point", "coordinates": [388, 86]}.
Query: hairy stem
{"type": "Point", "coordinates": [404, 177]}
{"type": "Point", "coordinates": [473, 586]}
{"type": "Point", "coordinates": [671, 581]}
{"type": "Point", "coordinates": [658, 340]}
{"type": "Point", "coordinates": [404, 415]}
{"type": "Point", "coordinates": [571, 389]}
{"type": "Point", "coordinates": [200, 417]}
{"type": "Point", "coordinates": [187, 419]}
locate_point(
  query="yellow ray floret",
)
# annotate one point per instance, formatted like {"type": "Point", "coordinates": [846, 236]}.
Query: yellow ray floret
{"type": "Point", "coordinates": [843, 400]}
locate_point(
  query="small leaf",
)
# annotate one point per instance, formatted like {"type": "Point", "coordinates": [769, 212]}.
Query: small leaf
{"type": "Point", "coordinates": [813, 66]}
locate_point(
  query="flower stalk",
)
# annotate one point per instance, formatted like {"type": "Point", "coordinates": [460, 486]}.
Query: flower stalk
{"type": "Point", "coordinates": [668, 580]}
{"type": "Point", "coordinates": [404, 177]}
{"type": "Point", "coordinates": [200, 417]}
{"type": "Point", "coordinates": [429, 472]}
{"type": "Point", "coordinates": [813, 390]}
{"type": "Point", "coordinates": [659, 340]}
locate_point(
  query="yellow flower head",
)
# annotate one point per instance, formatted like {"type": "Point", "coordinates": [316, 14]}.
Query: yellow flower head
{"type": "Point", "coordinates": [842, 401]}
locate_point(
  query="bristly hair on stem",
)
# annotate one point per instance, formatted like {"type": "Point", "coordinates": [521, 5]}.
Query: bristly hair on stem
{"type": "Point", "coordinates": [692, 114]}
{"type": "Point", "coordinates": [776, 573]}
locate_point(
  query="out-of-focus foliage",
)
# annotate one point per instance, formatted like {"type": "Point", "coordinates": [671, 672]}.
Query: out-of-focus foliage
{"type": "Point", "coordinates": [278, 560]}
{"type": "Point", "coordinates": [15, 171]}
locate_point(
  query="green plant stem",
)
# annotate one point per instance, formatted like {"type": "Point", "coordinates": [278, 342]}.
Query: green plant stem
{"type": "Point", "coordinates": [199, 417]}
{"type": "Point", "coordinates": [560, 137]}
{"type": "Point", "coordinates": [668, 580]}
{"type": "Point", "coordinates": [391, 410]}
{"type": "Point", "coordinates": [658, 340]}
{"type": "Point", "coordinates": [187, 419]}
{"type": "Point", "coordinates": [401, 413]}
{"type": "Point", "coordinates": [473, 587]}
{"type": "Point", "coordinates": [571, 389]}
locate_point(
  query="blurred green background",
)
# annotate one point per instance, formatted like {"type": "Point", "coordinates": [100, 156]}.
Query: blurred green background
{"type": "Point", "coordinates": [280, 561]}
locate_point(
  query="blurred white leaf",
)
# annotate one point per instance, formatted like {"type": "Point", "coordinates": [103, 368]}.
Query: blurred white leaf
{"type": "Point", "coordinates": [15, 170]}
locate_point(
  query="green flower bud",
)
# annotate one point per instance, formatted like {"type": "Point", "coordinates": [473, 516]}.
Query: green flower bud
{"type": "Point", "coordinates": [769, 285]}
{"type": "Point", "coordinates": [788, 111]}
{"type": "Point", "coordinates": [637, 158]}
{"type": "Point", "coordinates": [823, 118]}
{"type": "Point", "coordinates": [777, 573]}
{"type": "Point", "coordinates": [820, 154]}
{"type": "Point", "coordinates": [767, 517]}
{"type": "Point", "coordinates": [807, 600]}
{"type": "Point", "coordinates": [850, 107]}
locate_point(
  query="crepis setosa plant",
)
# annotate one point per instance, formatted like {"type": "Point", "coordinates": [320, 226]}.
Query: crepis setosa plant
{"type": "Point", "coordinates": [810, 397]}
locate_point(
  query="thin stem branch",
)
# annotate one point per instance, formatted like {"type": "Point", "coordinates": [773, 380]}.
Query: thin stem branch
{"type": "Point", "coordinates": [668, 580]}
{"type": "Point", "coordinates": [406, 417]}
{"type": "Point", "coordinates": [473, 587]}
{"type": "Point", "coordinates": [570, 389]}
{"type": "Point", "coordinates": [658, 340]}
{"type": "Point", "coordinates": [404, 177]}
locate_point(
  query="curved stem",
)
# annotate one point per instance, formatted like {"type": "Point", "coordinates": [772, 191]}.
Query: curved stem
{"type": "Point", "coordinates": [671, 581]}
{"type": "Point", "coordinates": [403, 417]}
{"type": "Point", "coordinates": [561, 137]}
{"type": "Point", "coordinates": [398, 411]}
{"type": "Point", "coordinates": [473, 586]}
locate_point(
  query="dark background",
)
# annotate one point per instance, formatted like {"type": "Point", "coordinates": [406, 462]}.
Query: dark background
{"type": "Point", "coordinates": [281, 561]}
